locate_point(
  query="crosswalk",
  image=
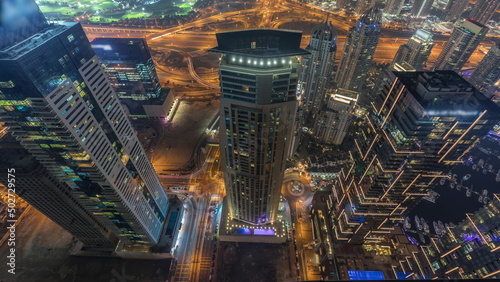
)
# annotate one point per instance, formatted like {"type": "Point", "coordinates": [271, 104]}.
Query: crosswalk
{"type": "Point", "coordinates": [206, 263]}
{"type": "Point", "coordinates": [182, 272]}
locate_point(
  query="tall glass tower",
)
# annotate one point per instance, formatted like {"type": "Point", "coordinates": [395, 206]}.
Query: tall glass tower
{"type": "Point", "coordinates": [317, 69]}
{"type": "Point", "coordinates": [58, 103]}
{"type": "Point", "coordinates": [422, 124]}
{"type": "Point", "coordinates": [416, 51]}
{"type": "Point", "coordinates": [258, 77]}
{"type": "Point", "coordinates": [129, 65]}
{"type": "Point", "coordinates": [19, 20]}
{"type": "Point", "coordinates": [462, 43]}
{"type": "Point", "coordinates": [359, 49]}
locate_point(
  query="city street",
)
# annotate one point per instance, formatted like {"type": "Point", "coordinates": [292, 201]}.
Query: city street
{"type": "Point", "coordinates": [302, 236]}
{"type": "Point", "coordinates": [183, 63]}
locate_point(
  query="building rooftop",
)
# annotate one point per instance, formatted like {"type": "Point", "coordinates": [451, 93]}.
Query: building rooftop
{"type": "Point", "coordinates": [32, 41]}
{"type": "Point", "coordinates": [372, 16]}
{"type": "Point", "coordinates": [476, 23]}
{"type": "Point", "coordinates": [445, 90]}
{"type": "Point", "coordinates": [121, 49]}
{"type": "Point", "coordinates": [324, 31]}
{"type": "Point", "coordinates": [260, 42]}
{"type": "Point", "coordinates": [20, 19]}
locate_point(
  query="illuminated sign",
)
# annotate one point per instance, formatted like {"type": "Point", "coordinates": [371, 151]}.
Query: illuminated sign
{"type": "Point", "coordinates": [263, 232]}
{"type": "Point", "coordinates": [451, 113]}
{"type": "Point", "coordinates": [245, 231]}
{"type": "Point", "coordinates": [365, 275]}
{"type": "Point", "coordinates": [104, 47]}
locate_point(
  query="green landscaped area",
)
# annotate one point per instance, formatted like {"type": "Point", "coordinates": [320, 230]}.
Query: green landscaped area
{"type": "Point", "coordinates": [108, 11]}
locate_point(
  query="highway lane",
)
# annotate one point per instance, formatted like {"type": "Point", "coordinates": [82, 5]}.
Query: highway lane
{"type": "Point", "coordinates": [183, 266]}
{"type": "Point", "coordinates": [180, 37]}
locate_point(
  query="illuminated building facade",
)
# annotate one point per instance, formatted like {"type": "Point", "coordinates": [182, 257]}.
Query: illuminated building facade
{"type": "Point", "coordinates": [416, 51]}
{"type": "Point", "coordinates": [484, 10]}
{"type": "Point", "coordinates": [334, 119]}
{"type": "Point", "coordinates": [128, 63]}
{"type": "Point", "coordinates": [258, 78]}
{"type": "Point", "coordinates": [421, 8]}
{"type": "Point", "coordinates": [422, 124]}
{"type": "Point", "coordinates": [468, 250]}
{"type": "Point", "coordinates": [394, 7]}
{"type": "Point", "coordinates": [462, 43]}
{"type": "Point", "coordinates": [487, 73]}
{"type": "Point", "coordinates": [358, 51]}
{"type": "Point", "coordinates": [317, 69]}
{"type": "Point", "coordinates": [58, 103]}
{"type": "Point", "coordinates": [44, 192]}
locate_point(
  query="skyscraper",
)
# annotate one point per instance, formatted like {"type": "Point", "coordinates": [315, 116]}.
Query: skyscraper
{"type": "Point", "coordinates": [487, 72]}
{"type": "Point", "coordinates": [460, 46]}
{"type": "Point", "coordinates": [484, 10]}
{"type": "Point", "coordinates": [363, 5]}
{"type": "Point", "coordinates": [258, 77]}
{"type": "Point", "coordinates": [59, 104]}
{"type": "Point", "coordinates": [468, 250]}
{"type": "Point", "coordinates": [43, 191]}
{"type": "Point", "coordinates": [358, 51]}
{"type": "Point", "coordinates": [334, 119]}
{"type": "Point", "coordinates": [317, 69]}
{"type": "Point", "coordinates": [455, 9]}
{"type": "Point", "coordinates": [416, 51]}
{"type": "Point", "coordinates": [421, 8]}
{"type": "Point", "coordinates": [422, 124]}
{"type": "Point", "coordinates": [129, 65]}
{"type": "Point", "coordinates": [393, 7]}
{"type": "Point", "coordinates": [20, 19]}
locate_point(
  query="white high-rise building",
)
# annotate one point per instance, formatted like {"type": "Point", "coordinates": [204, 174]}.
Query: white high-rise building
{"type": "Point", "coordinates": [358, 51]}
{"type": "Point", "coordinates": [463, 41]}
{"type": "Point", "coordinates": [417, 51]}
{"type": "Point", "coordinates": [487, 73]}
{"type": "Point", "coordinates": [317, 69]}
{"type": "Point", "coordinates": [334, 119]}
